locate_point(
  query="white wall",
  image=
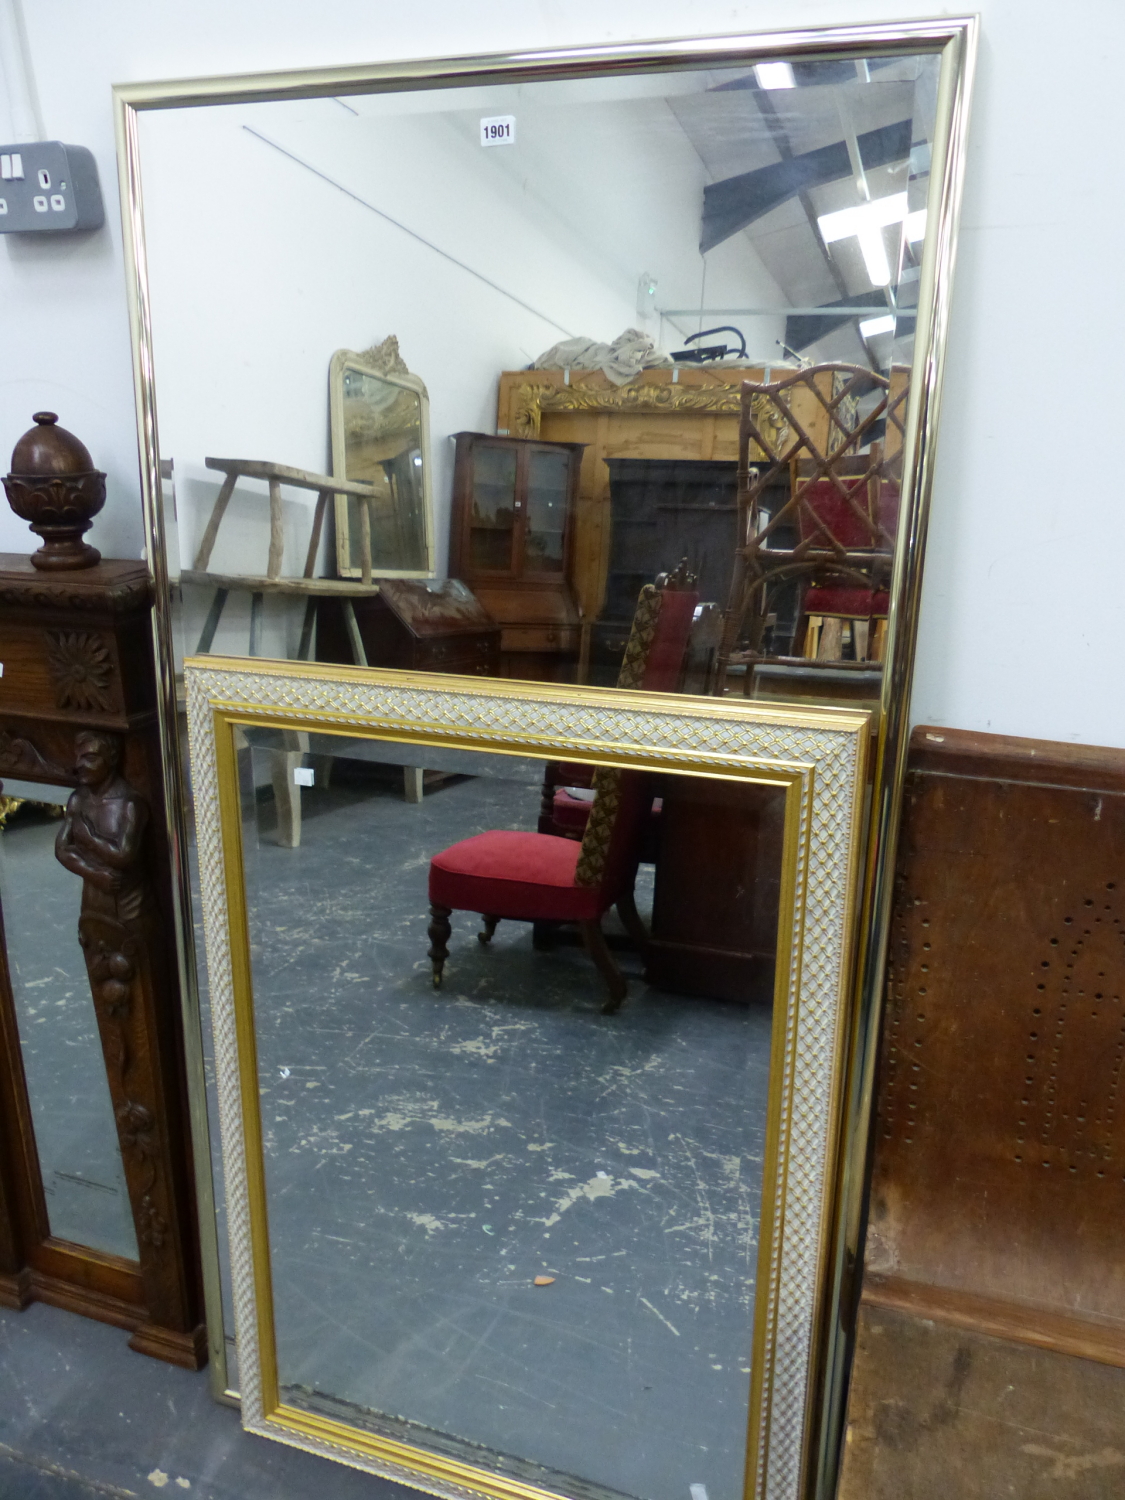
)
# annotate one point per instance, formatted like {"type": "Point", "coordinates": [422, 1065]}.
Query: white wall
{"type": "Point", "coordinates": [1020, 608]}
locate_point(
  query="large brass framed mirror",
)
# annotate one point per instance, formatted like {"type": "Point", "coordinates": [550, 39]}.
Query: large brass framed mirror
{"type": "Point", "coordinates": [674, 316]}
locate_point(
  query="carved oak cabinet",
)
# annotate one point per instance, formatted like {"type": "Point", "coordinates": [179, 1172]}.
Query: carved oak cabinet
{"type": "Point", "coordinates": [77, 709]}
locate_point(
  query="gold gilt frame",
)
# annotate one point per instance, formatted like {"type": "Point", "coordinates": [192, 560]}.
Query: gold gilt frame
{"type": "Point", "coordinates": [530, 401]}
{"type": "Point", "coordinates": [394, 373]}
{"type": "Point", "coordinates": [818, 756]}
{"type": "Point", "coordinates": [536, 397]}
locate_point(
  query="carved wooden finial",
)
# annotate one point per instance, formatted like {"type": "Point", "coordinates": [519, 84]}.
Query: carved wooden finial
{"type": "Point", "coordinates": [679, 580]}
{"type": "Point", "coordinates": [385, 357]}
{"type": "Point", "coordinates": [56, 489]}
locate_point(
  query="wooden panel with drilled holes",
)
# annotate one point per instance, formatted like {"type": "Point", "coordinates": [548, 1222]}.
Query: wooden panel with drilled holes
{"type": "Point", "coordinates": [998, 1192]}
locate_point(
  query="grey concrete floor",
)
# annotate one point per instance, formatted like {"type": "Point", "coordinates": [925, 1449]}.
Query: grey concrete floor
{"type": "Point", "coordinates": [427, 1156]}
{"type": "Point", "coordinates": [82, 1415]}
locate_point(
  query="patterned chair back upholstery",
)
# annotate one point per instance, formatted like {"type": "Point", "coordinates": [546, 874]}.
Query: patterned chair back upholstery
{"type": "Point", "coordinates": [653, 661]}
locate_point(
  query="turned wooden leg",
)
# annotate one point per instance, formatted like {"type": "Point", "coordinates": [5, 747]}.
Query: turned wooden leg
{"type": "Point", "coordinates": [544, 936]}
{"type": "Point", "coordinates": [286, 797]}
{"type": "Point", "coordinates": [439, 931]}
{"type": "Point", "coordinates": [631, 920]}
{"type": "Point", "coordinates": [598, 949]}
{"type": "Point", "coordinates": [412, 782]}
{"type": "Point", "coordinates": [489, 928]}
{"type": "Point", "coordinates": [547, 800]}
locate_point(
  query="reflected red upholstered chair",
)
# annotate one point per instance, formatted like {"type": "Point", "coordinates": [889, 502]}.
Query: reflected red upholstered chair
{"type": "Point", "coordinates": [540, 877]}
{"type": "Point", "coordinates": [561, 811]}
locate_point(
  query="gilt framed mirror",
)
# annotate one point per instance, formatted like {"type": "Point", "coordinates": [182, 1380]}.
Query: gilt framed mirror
{"type": "Point", "coordinates": [679, 308]}
{"type": "Point", "coordinates": [380, 417]}
{"type": "Point", "coordinates": [496, 1229]}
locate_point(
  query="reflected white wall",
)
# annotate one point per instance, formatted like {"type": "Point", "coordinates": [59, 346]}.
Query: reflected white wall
{"type": "Point", "coordinates": [279, 233]}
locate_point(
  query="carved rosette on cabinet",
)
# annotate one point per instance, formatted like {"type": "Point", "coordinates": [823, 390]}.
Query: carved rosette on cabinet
{"type": "Point", "coordinates": [82, 667]}
{"type": "Point", "coordinates": [77, 710]}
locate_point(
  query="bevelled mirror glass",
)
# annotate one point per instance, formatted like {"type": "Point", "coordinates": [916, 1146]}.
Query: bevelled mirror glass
{"type": "Point", "coordinates": [662, 321]}
{"type": "Point", "coordinates": [84, 1192]}
{"type": "Point", "coordinates": [530, 1203]}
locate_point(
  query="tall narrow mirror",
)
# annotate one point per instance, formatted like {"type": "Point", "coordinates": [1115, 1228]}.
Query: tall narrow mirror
{"type": "Point", "coordinates": [531, 1220]}
{"type": "Point", "coordinates": [84, 1189]}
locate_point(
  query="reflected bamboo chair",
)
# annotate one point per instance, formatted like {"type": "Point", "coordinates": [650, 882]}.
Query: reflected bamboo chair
{"type": "Point", "coordinates": [835, 534]}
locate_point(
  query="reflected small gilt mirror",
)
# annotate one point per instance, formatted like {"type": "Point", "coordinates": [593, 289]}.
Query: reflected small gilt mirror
{"type": "Point", "coordinates": [528, 771]}
{"type": "Point", "coordinates": [380, 416]}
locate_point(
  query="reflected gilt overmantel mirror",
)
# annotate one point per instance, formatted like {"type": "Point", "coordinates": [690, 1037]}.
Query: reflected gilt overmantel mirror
{"type": "Point", "coordinates": [548, 685]}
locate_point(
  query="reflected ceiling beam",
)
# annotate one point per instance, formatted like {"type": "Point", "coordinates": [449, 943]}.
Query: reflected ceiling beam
{"type": "Point", "coordinates": [736, 202]}
{"type": "Point", "coordinates": [856, 304]}
{"type": "Point", "coordinates": [805, 325]}
{"type": "Point", "coordinates": [883, 140]}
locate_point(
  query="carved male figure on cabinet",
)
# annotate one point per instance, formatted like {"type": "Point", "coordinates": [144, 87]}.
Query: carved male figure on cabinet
{"type": "Point", "coordinates": [100, 838]}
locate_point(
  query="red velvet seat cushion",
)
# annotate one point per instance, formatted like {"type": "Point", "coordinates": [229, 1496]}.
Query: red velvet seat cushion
{"type": "Point", "coordinates": [824, 514]}
{"type": "Point", "coordinates": [528, 876]}
{"type": "Point", "coordinates": [666, 654]}
{"type": "Point", "coordinates": [849, 603]}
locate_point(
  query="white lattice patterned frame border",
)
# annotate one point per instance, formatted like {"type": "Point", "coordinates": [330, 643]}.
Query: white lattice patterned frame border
{"type": "Point", "coordinates": [821, 750]}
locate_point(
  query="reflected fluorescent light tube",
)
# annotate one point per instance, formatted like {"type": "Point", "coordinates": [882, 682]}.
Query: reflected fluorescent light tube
{"type": "Point", "coordinates": [870, 328]}
{"type": "Point", "coordinates": [867, 221]}
{"type": "Point", "coordinates": [866, 216]}
{"type": "Point", "coordinates": [775, 75]}
{"type": "Point", "coordinates": [875, 257]}
{"type": "Point", "coordinates": [916, 226]}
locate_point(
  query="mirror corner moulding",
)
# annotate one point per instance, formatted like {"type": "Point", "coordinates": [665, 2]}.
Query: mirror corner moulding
{"type": "Point", "coordinates": [810, 1466]}
{"type": "Point", "coordinates": [819, 757]}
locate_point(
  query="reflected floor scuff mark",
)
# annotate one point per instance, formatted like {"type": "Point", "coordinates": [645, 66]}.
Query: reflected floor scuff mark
{"type": "Point", "coordinates": [429, 1154]}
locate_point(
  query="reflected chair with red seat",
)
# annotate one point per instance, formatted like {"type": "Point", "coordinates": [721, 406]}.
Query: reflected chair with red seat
{"type": "Point", "coordinates": [566, 800]}
{"type": "Point", "coordinates": [857, 510]}
{"type": "Point", "coordinates": [544, 878]}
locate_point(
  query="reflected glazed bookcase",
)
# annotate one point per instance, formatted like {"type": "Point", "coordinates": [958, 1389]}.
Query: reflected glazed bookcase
{"type": "Point", "coordinates": [511, 534]}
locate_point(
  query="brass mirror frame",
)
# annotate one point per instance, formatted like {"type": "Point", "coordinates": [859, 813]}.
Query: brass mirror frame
{"type": "Point", "coordinates": [955, 39]}
{"type": "Point", "coordinates": [819, 757]}
{"type": "Point", "coordinates": [347, 359]}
